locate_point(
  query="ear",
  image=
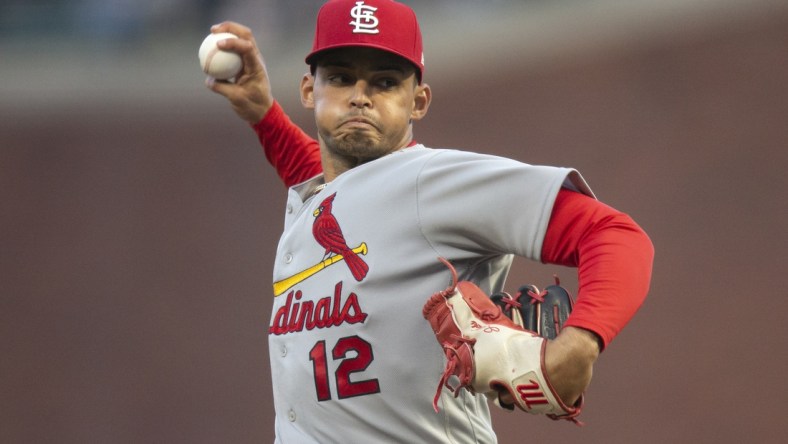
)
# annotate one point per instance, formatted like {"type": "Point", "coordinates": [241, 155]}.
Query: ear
{"type": "Point", "coordinates": [421, 101]}
{"type": "Point", "coordinates": [308, 91]}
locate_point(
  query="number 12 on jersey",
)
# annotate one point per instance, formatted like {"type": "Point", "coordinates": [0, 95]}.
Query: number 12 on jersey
{"type": "Point", "coordinates": [355, 355]}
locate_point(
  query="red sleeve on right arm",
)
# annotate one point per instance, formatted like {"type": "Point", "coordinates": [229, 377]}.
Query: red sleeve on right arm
{"type": "Point", "coordinates": [294, 155]}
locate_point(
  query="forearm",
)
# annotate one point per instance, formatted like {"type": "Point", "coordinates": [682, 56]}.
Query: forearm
{"type": "Point", "coordinates": [295, 155]}
{"type": "Point", "coordinates": [614, 258]}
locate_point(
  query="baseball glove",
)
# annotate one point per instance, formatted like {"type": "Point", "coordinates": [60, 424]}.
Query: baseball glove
{"type": "Point", "coordinates": [544, 312]}
{"type": "Point", "coordinates": [486, 352]}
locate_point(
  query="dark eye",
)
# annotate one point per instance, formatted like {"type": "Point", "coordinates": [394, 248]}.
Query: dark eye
{"type": "Point", "coordinates": [388, 82]}
{"type": "Point", "coordinates": [338, 79]}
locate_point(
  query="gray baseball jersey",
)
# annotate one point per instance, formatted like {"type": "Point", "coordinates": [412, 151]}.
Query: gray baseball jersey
{"type": "Point", "coordinates": [352, 358]}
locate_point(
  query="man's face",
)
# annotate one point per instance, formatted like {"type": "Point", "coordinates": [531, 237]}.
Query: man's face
{"type": "Point", "coordinates": [364, 101]}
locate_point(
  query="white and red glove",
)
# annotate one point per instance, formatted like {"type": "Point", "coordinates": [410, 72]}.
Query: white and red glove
{"type": "Point", "coordinates": [490, 354]}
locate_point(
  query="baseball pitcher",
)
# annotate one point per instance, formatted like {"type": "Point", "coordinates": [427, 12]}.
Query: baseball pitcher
{"type": "Point", "coordinates": [389, 321]}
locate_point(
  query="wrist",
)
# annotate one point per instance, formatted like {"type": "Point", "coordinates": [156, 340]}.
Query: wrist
{"type": "Point", "coordinates": [582, 343]}
{"type": "Point", "coordinates": [269, 116]}
{"type": "Point", "coordinates": [569, 362]}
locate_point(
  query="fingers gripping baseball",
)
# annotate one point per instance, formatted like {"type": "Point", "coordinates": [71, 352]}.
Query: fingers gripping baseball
{"type": "Point", "coordinates": [250, 92]}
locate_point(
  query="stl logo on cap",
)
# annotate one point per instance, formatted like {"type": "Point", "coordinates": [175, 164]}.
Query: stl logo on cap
{"type": "Point", "coordinates": [364, 21]}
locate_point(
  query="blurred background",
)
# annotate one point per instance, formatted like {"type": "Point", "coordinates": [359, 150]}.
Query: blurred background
{"type": "Point", "coordinates": [139, 217]}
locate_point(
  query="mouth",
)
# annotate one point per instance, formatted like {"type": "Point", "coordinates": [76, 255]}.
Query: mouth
{"type": "Point", "coordinates": [358, 122]}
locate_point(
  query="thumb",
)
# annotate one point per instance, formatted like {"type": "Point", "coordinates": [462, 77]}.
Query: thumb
{"type": "Point", "coordinates": [218, 86]}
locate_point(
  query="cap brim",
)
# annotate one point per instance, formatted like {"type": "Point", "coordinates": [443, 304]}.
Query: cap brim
{"type": "Point", "coordinates": [311, 58]}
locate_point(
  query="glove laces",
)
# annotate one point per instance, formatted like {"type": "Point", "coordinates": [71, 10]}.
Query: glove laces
{"type": "Point", "coordinates": [453, 364]}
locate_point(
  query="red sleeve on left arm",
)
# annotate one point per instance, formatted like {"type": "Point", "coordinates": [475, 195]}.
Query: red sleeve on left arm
{"type": "Point", "coordinates": [613, 255]}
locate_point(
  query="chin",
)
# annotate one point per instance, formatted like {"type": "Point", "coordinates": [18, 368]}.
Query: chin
{"type": "Point", "coordinates": [357, 145]}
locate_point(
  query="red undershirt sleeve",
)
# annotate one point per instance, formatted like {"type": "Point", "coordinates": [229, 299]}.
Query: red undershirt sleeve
{"type": "Point", "coordinates": [294, 155]}
{"type": "Point", "coordinates": [614, 258]}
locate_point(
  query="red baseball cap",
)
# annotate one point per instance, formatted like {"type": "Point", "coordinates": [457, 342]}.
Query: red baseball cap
{"type": "Point", "coordinates": [381, 24]}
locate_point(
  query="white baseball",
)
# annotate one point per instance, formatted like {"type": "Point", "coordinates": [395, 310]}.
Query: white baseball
{"type": "Point", "coordinates": [221, 65]}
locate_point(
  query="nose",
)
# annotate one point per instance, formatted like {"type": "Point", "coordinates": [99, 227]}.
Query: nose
{"type": "Point", "coordinates": [360, 95]}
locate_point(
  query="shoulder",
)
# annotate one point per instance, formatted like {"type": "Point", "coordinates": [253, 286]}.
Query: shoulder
{"type": "Point", "coordinates": [467, 165]}
{"type": "Point", "coordinates": [493, 168]}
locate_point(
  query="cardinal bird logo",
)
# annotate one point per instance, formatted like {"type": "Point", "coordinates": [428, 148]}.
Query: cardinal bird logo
{"type": "Point", "coordinates": [329, 235]}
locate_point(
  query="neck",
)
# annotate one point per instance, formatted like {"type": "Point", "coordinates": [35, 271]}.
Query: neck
{"type": "Point", "coordinates": [334, 165]}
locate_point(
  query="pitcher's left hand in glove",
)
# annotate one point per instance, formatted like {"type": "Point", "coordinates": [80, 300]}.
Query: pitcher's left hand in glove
{"type": "Point", "coordinates": [489, 353]}
{"type": "Point", "coordinates": [544, 312]}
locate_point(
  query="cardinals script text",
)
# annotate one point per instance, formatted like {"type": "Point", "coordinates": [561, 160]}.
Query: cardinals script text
{"type": "Point", "coordinates": [329, 311]}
